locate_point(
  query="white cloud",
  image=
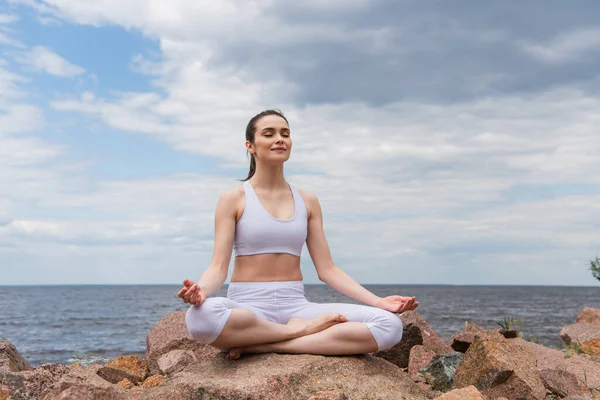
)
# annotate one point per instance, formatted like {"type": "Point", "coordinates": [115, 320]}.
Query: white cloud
{"type": "Point", "coordinates": [8, 18]}
{"type": "Point", "coordinates": [46, 60]}
{"type": "Point", "coordinates": [568, 47]}
{"type": "Point", "coordinates": [412, 191]}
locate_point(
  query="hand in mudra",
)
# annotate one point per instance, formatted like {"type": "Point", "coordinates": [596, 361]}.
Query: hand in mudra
{"type": "Point", "coordinates": [191, 293]}
{"type": "Point", "coordinates": [397, 304]}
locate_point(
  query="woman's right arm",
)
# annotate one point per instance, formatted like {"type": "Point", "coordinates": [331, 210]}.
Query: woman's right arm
{"type": "Point", "coordinates": [215, 275]}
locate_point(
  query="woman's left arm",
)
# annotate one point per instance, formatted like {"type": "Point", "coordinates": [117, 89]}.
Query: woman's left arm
{"type": "Point", "coordinates": [335, 277]}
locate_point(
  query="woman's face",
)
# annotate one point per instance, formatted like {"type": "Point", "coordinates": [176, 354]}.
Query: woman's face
{"type": "Point", "coordinates": [272, 141]}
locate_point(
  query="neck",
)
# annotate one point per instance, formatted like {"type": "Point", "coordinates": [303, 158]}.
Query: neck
{"type": "Point", "coordinates": [268, 177]}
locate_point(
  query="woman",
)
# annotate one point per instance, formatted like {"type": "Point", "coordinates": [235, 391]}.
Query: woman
{"type": "Point", "coordinates": [266, 222]}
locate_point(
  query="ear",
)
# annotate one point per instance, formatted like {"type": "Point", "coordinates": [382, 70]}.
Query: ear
{"type": "Point", "coordinates": [249, 147]}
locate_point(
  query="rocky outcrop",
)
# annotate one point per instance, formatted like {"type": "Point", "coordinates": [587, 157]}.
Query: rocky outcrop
{"type": "Point", "coordinates": [175, 361]}
{"type": "Point", "coordinates": [419, 358]}
{"type": "Point", "coordinates": [132, 368]}
{"type": "Point", "coordinates": [441, 370]}
{"type": "Point", "coordinates": [461, 341]}
{"type": "Point", "coordinates": [468, 393]}
{"type": "Point", "coordinates": [591, 347]}
{"type": "Point", "coordinates": [588, 315]}
{"type": "Point", "coordinates": [11, 359]}
{"type": "Point", "coordinates": [561, 382]}
{"type": "Point", "coordinates": [500, 367]}
{"type": "Point", "coordinates": [586, 368]}
{"type": "Point", "coordinates": [85, 383]}
{"type": "Point", "coordinates": [171, 334]}
{"type": "Point", "coordinates": [32, 384]}
{"type": "Point", "coordinates": [281, 376]}
{"type": "Point", "coordinates": [579, 333]}
{"type": "Point", "coordinates": [416, 331]}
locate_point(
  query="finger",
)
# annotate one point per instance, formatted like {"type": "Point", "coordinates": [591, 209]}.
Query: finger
{"type": "Point", "coordinates": [181, 292]}
{"type": "Point", "coordinates": [189, 294]}
{"type": "Point", "coordinates": [187, 282]}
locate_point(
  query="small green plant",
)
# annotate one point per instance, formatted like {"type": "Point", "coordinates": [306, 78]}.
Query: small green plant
{"type": "Point", "coordinates": [595, 268]}
{"type": "Point", "coordinates": [509, 323]}
{"type": "Point", "coordinates": [573, 348]}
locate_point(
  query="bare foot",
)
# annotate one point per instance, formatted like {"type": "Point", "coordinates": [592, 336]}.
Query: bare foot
{"type": "Point", "coordinates": [318, 324]}
{"type": "Point", "coordinates": [234, 353]}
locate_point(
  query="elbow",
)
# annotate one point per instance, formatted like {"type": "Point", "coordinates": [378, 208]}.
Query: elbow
{"type": "Point", "coordinates": [325, 273]}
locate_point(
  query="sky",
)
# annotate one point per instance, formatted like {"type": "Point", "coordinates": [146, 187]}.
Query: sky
{"type": "Point", "coordinates": [448, 142]}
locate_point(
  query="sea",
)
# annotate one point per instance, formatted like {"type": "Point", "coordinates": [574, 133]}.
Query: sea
{"type": "Point", "coordinates": [90, 324]}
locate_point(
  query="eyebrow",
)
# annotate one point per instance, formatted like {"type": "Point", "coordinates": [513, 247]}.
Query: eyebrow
{"type": "Point", "coordinates": [270, 129]}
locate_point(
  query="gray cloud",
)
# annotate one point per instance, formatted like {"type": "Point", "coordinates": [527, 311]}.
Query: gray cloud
{"type": "Point", "coordinates": [442, 52]}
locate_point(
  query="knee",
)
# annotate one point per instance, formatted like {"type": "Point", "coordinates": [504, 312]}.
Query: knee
{"type": "Point", "coordinates": [387, 329]}
{"type": "Point", "coordinates": [205, 322]}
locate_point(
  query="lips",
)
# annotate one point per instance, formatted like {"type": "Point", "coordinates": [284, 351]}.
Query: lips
{"type": "Point", "coordinates": [279, 149]}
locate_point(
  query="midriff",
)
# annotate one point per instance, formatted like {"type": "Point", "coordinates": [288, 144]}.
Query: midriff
{"type": "Point", "coordinates": [266, 268]}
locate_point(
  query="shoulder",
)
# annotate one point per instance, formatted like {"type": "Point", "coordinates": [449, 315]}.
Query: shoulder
{"type": "Point", "coordinates": [232, 195]}
{"type": "Point", "coordinates": [311, 201]}
{"type": "Point", "coordinates": [231, 200]}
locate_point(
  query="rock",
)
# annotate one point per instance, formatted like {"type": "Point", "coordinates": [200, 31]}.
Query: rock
{"type": "Point", "coordinates": [32, 384]}
{"type": "Point", "coordinates": [588, 315]}
{"type": "Point", "coordinates": [175, 361]}
{"type": "Point", "coordinates": [125, 384]}
{"type": "Point", "coordinates": [461, 341]}
{"type": "Point", "coordinates": [468, 393]}
{"type": "Point", "coordinates": [591, 347]}
{"type": "Point", "coordinates": [579, 333]}
{"type": "Point", "coordinates": [500, 367]}
{"type": "Point", "coordinates": [584, 367]}
{"type": "Point", "coordinates": [283, 376]}
{"type": "Point", "coordinates": [73, 366]}
{"type": "Point", "coordinates": [440, 372]}
{"type": "Point", "coordinates": [561, 383]}
{"type": "Point", "coordinates": [132, 368]}
{"type": "Point", "coordinates": [154, 381]}
{"type": "Point", "coordinates": [416, 331]}
{"type": "Point", "coordinates": [509, 333]}
{"type": "Point", "coordinates": [84, 383]}
{"type": "Point", "coordinates": [419, 358]}
{"type": "Point", "coordinates": [10, 359]}
{"type": "Point", "coordinates": [3, 392]}
{"type": "Point", "coordinates": [329, 395]}
{"type": "Point", "coordinates": [171, 334]}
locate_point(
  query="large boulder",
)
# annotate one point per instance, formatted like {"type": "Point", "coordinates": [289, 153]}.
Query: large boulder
{"type": "Point", "coordinates": [11, 359]}
{"type": "Point", "coordinates": [282, 376]}
{"type": "Point", "coordinates": [32, 384]}
{"type": "Point", "coordinates": [586, 368]}
{"type": "Point", "coordinates": [441, 370]}
{"type": "Point", "coordinates": [416, 331]}
{"type": "Point", "coordinates": [588, 315]}
{"type": "Point", "coordinates": [461, 341]}
{"type": "Point", "coordinates": [175, 361]}
{"type": "Point", "coordinates": [591, 347]}
{"type": "Point", "coordinates": [500, 367]}
{"type": "Point", "coordinates": [419, 358]}
{"type": "Point", "coordinates": [579, 333]}
{"type": "Point", "coordinates": [84, 383]}
{"type": "Point", "coordinates": [171, 334]}
{"type": "Point", "coordinates": [561, 382]}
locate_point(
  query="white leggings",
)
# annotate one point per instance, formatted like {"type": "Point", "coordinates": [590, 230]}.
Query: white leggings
{"type": "Point", "coordinates": [279, 302]}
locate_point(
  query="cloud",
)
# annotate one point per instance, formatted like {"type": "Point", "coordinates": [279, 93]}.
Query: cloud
{"type": "Point", "coordinates": [44, 59]}
{"type": "Point", "coordinates": [419, 129]}
{"type": "Point", "coordinates": [570, 47]}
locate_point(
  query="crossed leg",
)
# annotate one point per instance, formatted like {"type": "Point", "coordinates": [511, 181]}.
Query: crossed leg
{"type": "Point", "coordinates": [369, 329]}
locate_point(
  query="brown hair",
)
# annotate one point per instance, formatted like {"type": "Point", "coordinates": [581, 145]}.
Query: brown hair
{"type": "Point", "coordinates": [250, 132]}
